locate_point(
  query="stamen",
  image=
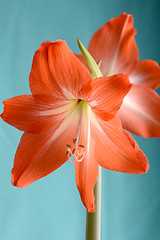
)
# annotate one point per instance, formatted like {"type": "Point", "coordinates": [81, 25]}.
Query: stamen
{"type": "Point", "coordinates": [73, 152]}
{"type": "Point", "coordinates": [68, 145]}
{"type": "Point", "coordinates": [77, 153]}
{"type": "Point", "coordinates": [80, 145]}
{"type": "Point", "coordinates": [79, 160]}
{"type": "Point", "coordinates": [74, 140]}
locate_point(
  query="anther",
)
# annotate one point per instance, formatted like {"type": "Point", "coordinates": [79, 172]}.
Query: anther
{"type": "Point", "coordinates": [74, 140]}
{"type": "Point", "coordinates": [80, 145]}
{"type": "Point", "coordinates": [68, 145]}
{"type": "Point", "coordinates": [73, 152]}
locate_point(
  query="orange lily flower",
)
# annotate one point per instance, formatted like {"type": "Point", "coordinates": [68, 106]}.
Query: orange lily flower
{"type": "Point", "coordinates": [71, 116]}
{"type": "Point", "coordinates": [115, 45]}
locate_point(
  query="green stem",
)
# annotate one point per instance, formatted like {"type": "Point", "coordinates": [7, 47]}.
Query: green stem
{"type": "Point", "coordinates": [93, 221]}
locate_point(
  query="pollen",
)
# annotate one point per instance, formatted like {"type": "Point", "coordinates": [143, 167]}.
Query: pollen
{"type": "Point", "coordinates": [77, 151]}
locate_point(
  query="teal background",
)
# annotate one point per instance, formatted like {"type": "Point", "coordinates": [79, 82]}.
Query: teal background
{"type": "Point", "coordinates": [51, 208]}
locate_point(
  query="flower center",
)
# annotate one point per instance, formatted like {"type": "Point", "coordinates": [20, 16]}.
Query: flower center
{"type": "Point", "coordinates": [79, 147]}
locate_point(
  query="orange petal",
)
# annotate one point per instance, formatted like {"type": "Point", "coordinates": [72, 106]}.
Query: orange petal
{"type": "Point", "coordinates": [69, 72]}
{"type": "Point", "coordinates": [115, 149]}
{"type": "Point", "coordinates": [105, 95]}
{"type": "Point", "coordinates": [56, 69]}
{"type": "Point", "coordinates": [28, 114]}
{"type": "Point", "coordinates": [147, 72]}
{"type": "Point", "coordinates": [140, 112]}
{"type": "Point", "coordinates": [115, 45]}
{"type": "Point", "coordinates": [81, 58]}
{"type": "Point", "coordinates": [40, 154]}
{"type": "Point", "coordinates": [86, 173]}
{"type": "Point", "coordinates": [41, 81]}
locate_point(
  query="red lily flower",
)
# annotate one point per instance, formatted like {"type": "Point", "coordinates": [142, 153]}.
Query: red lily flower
{"type": "Point", "coordinates": [70, 114]}
{"type": "Point", "coordinates": [115, 45]}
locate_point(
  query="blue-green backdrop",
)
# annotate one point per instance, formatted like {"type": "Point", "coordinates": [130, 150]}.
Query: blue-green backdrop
{"type": "Point", "coordinates": [51, 207]}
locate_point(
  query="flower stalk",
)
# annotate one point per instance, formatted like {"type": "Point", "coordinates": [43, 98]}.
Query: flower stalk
{"type": "Point", "coordinates": [93, 221]}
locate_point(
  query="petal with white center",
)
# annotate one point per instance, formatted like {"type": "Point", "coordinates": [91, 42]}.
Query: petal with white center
{"type": "Point", "coordinates": [40, 154]}
{"type": "Point", "coordinates": [115, 45]}
{"type": "Point", "coordinates": [105, 94]}
{"type": "Point", "coordinates": [36, 115]}
{"type": "Point", "coordinates": [86, 171]}
{"type": "Point", "coordinates": [140, 112]}
{"type": "Point", "coordinates": [147, 73]}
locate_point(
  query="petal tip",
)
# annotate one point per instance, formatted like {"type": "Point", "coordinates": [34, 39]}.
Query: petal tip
{"type": "Point", "coordinates": [14, 183]}
{"type": "Point", "coordinates": [14, 180]}
{"type": "Point", "coordinates": [59, 41]}
{"type": "Point", "coordinates": [2, 115]}
{"type": "Point", "coordinates": [143, 162]}
{"type": "Point", "coordinates": [91, 208]}
{"type": "Point", "coordinates": [126, 15]}
{"type": "Point", "coordinates": [146, 169]}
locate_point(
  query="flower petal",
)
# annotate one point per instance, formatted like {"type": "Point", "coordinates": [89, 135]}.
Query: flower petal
{"type": "Point", "coordinates": [115, 149]}
{"type": "Point", "coordinates": [35, 115]}
{"type": "Point", "coordinates": [40, 154]}
{"type": "Point", "coordinates": [81, 58]}
{"type": "Point", "coordinates": [41, 81]}
{"type": "Point", "coordinates": [115, 45]}
{"type": "Point", "coordinates": [86, 173]}
{"type": "Point", "coordinates": [69, 72]}
{"type": "Point", "coordinates": [147, 72]}
{"type": "Point", "coordinates": [56, 69]}
{"type": "Point", "coordinates": [105, 95]}
{"type": "Point", "coordinates": [140, 112]}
